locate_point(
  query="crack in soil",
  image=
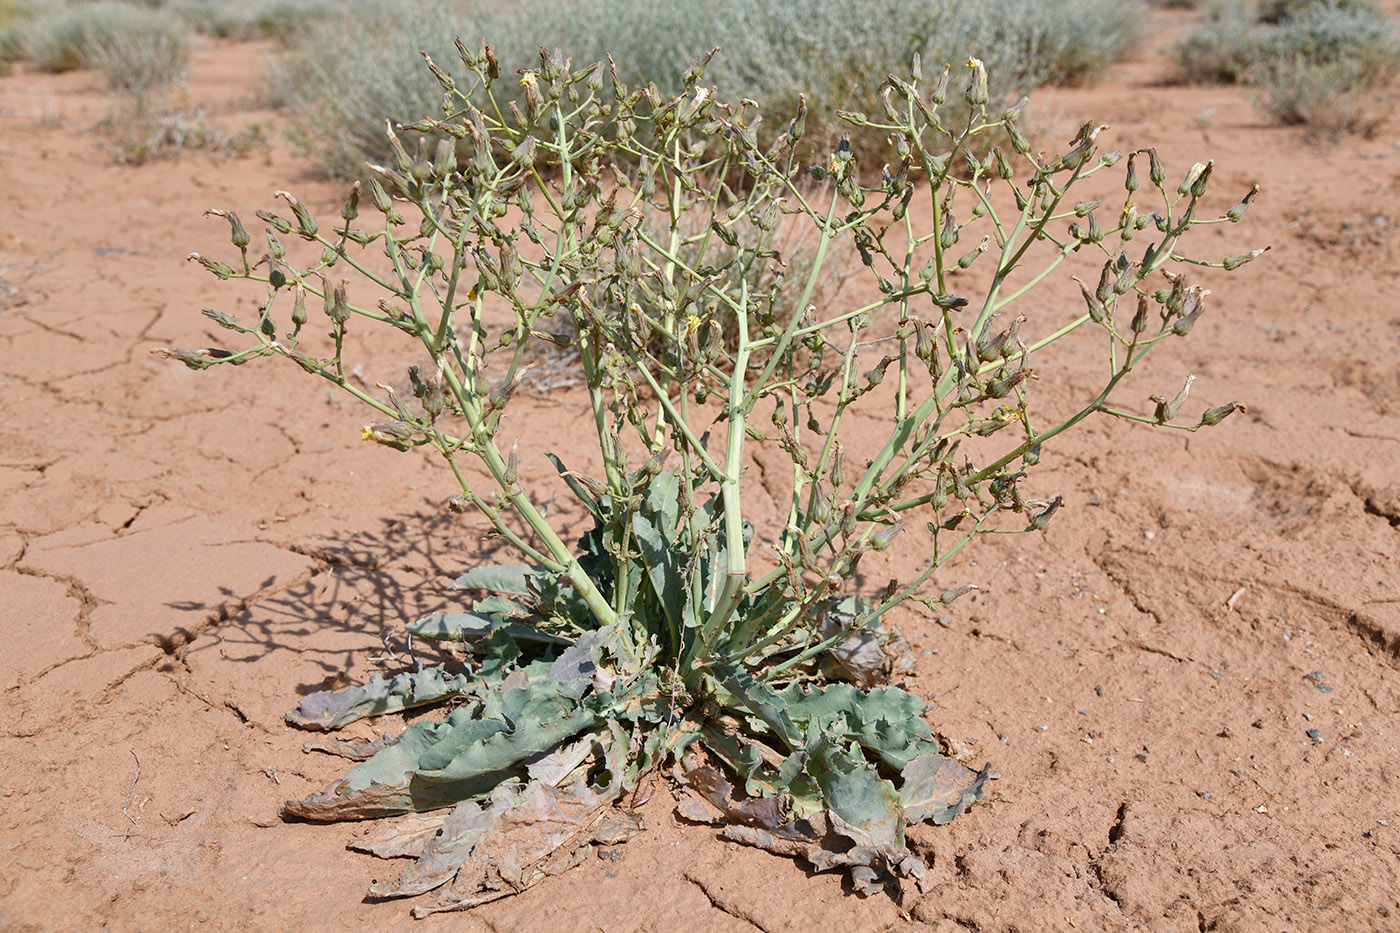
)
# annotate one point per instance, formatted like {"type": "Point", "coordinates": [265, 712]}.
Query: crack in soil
{"type": "Point", "coordinates": [723, 904]}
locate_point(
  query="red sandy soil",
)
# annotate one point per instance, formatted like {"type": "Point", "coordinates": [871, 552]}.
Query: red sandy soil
{"type": "Point", "coordinates": [184, 553]}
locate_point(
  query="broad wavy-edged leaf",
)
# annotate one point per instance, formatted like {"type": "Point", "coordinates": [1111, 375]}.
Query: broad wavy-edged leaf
{"type": "Point", "coordinates": [498, 578]}
{"type": "Point", "coordinates": [937, 788]}
{"type": "Point", "coordinates": [474, 626]}
{"type": "Point", "coordinates": [461, 757]}
{"type": "Point", "coordinates": [654, 527]}
{"type": "Point", "coordinates": [853, 791]}
{"type": "Point", "coordinates": [887, 721]}
{"type": "Point", "coordinates": [763, 702]}
{"type": "Point", "coordinates": [331, 709]}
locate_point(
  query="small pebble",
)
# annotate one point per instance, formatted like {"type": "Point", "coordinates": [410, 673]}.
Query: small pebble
{"type": "Point", "coordinates": [1313, 734]}
{"type": "Point", "coordinates": [1203, 794]}
{"type": "Point", "coordinates": [1041, 728]}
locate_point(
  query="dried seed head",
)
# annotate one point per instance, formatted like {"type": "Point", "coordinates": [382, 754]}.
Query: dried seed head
{"type": "Point", "coordinates": [1042, 518]}
{"type": "Point", "coordinates": [1213, 416]}
{"type": "Point", "coordinates": [1166, 410]}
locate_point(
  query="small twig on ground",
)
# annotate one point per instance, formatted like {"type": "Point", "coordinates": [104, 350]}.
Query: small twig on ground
{"type": "Point", "coordinates": [132, 789]}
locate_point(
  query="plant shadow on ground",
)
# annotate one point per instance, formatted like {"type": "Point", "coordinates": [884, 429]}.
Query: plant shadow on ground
{"type": "Point", "coordinates": [346, 620]}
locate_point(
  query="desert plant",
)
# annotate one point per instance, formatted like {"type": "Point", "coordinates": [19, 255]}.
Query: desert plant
{"type": "Point", "coordinates": [347, 74]}
{"type": "Point", "coordinates": [1323, 63]}
{"type": "Point", "coordinates": [138, 50]}
{"type": "Point", "coordinates": [1328, 65]}
{"type": "Point", "coordinates": [1220, 49]}
{"type": "Point", "coordinates": [748, 661]}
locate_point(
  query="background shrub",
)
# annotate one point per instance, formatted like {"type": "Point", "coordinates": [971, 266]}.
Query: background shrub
{"type": "Point", "coordinates": [137, 48]}
{"type": "Point", "coordinates": [1324, 64]}
{"type": "Point", "coordinates": [347, 74]}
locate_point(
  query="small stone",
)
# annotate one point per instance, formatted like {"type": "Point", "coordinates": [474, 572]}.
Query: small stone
{"type": "Point", "coordinates": [1041, 728]}
{"type": "Point", "coordinates": [1140, 756]}
{"type": "Point", "coordinates": [1203, 794]}
{"type": "Point", "coordinates": [1313, 734]}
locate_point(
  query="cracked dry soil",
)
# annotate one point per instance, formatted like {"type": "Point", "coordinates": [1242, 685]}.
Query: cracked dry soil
{"type": "Point", "coordinates": [1190, 684]}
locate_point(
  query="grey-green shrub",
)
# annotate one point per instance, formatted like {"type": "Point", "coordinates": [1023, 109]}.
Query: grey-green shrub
{"type": "Point", "coordinates": [348, 74]}
{"type": "Point", "coordinates": [1323, 63]}
{"type": "Point", "coordinates": [137, 48]}
{"type": "Point", "coordinates": [252, 18]}
{"type": "Point", "coordinates": [1219, 51]}
{"type": "Point", "coordinates": [1328, 67]}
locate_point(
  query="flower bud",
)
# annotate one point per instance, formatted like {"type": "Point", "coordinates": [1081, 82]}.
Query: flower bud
{"type": "Point", "coordinates": [306, 224]}
{"type": "Point", "coordinates": [222, 318]}
{"type": "Point", "coordinates": [1140, 318]}
{"type": "Point", "coordinates": [1031, 457]}
{"type": "Point", "coordinates": [1130, 181]}
{"type": "Point", "coordinates": [382, 203]}
{"type": "Point", "coordinates": [882, 539]}
{"type": "Point", "coordinates": [282, 225]}
{"type": "Point", "coordinates": [213, 265]}
{"type": "Point", "coordinates": [1018, 139]}
{"type": "Point", "coordinates": [821, 505]}
{"type": "Point", "coordinates": [299, 309]}
{"type": "Point", "coordinates": [1097, 311]}
{"type": "Point", "coordinates": [949, 235]}
{"type": "Point", "coordinates": [1235, 213]}
{"type": "Point", "coordinates": [237, 233]}
{"type": "Point", "coordinates": [940, 88]}
{"type": "Point", "coordinates": [1155, 172]}
{"type": "Point", "coordinates": [976, 93]}
{"type": "Point", "coordinates": [949, 595]}
{"type": "Point", "coordinates": [1231, 263]}
{"type": "Point", "coordinates": [395, 434]}
{"type": "Point", "coordinates": [838, 467]}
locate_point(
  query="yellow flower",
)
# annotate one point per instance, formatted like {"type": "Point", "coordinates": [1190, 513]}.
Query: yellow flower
{"type": "Point", "coordinates": [692, 323]}
{"type": "Point", "coordinates": [529, 81]}
{"type": "Point", "coordinates": [366, 433]}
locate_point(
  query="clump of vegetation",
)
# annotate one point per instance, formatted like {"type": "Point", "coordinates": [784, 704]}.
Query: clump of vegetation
{"type": "Point", "coordinates": [138, 49]}
{"type": "Point", "coordinates": [138, 135]}
{"type": "Point", "coordinates": [676, 635]}
{"type": "Point", "coordinates": [347, 74]}
{"type": "Point", "coordinates": [1220, 50]}
{"type": "Point", "coordinates": [1326, 64]}
{"type": "Point", "coordinates": [250, 19]}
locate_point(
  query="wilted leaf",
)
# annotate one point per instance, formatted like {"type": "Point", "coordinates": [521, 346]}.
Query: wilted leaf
{"type": "Point", "coordinates": [577, 666]}
{"type": "Point", "coordinates": [937, 788]}
{"type": "Point", "coordinates": [406, 836]}
{"type": "Point", "coordinates": [546, 831]}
